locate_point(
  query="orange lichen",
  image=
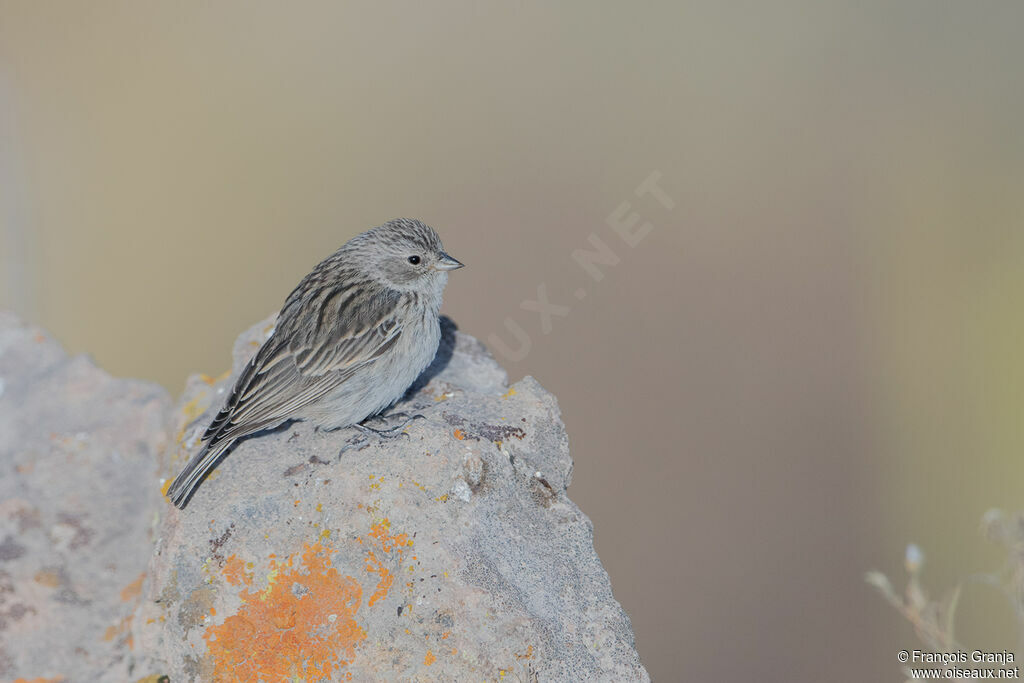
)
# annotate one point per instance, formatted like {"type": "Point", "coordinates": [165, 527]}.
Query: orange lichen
{"type": "Point", "coordinates": [120, 628]}
{"type": "Point", "coordinates": [459, 434]}
{"type": "Point", "coordinates": [55, 679]}
{"type": "Point", "coordinates": [213, 380]}
{"type": "Point", "coordinates": [526, 655]}
{"type": "Point", "coordinates": [386, 543]}
{"type": "Point", "coordinates": [133, 589]}
{"type": "Point", "coordinates": [301, 626]}
{"type": "Point", "coordinates": [47, 577]}
{"type": "Point", "coordinates": [234, 571]}
{"type": "Point", "coordinates": [430, 658]}
{"type": "Point", "coordinates": [386, 580]}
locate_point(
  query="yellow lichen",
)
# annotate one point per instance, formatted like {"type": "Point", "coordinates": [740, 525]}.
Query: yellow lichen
{"type": "Point", "coordinates": [133, 589]}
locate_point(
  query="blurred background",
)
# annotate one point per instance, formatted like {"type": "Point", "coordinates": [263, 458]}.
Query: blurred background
{"type": "Point", "coordinates": [810, 358]}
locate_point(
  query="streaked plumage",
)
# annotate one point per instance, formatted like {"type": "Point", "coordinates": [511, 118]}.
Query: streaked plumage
{"type": "Point", "coordinates": [349, 341]}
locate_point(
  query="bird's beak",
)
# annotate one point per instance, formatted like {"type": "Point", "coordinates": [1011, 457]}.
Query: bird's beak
{"type": "Point", "coordinates": [446, 262]}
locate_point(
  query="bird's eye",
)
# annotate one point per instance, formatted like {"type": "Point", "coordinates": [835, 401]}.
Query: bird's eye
{"type": "Point", "coordinates": [414, 260]}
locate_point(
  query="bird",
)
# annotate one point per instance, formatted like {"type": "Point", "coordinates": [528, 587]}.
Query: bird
{"type": "Point", "coordinates": [349, 341]}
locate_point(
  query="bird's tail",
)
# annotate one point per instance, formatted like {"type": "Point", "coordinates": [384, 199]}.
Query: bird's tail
{"type": "Point", "coordinates": [186, 482]}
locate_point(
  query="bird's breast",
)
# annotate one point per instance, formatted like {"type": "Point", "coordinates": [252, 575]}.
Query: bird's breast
{"type": "Point", "coordinates": [377, 385]}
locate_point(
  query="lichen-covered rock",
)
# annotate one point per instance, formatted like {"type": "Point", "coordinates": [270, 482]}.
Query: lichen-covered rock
{"type": "Point", "coordinates": [449, 553]}
{"type": "Point", "coordinates": [78, 450]}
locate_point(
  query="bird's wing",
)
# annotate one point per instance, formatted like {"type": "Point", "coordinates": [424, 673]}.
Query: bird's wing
{"type": "Point", "coordinates": [306, 357]}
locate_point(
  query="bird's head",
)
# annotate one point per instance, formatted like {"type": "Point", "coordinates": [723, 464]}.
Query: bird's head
{"type": "Point", "coordinates": [407, 255]}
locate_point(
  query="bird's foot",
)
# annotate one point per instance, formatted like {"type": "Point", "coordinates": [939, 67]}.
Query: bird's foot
{"type": "Point", "coordinates": [357, 442]}
{"type": "Point", "coordinates": [391, 432]}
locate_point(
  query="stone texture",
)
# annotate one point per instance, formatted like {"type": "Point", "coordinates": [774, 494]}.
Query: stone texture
{"type": "Point", "coordinates": [77, 501]}
{"type": "Point", "coordinates": [449, 553]}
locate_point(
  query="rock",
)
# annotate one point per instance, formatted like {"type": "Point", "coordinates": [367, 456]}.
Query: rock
{"type": "Point", "coordinates": [448, 553]}
{"type": "Point", "coordinates": [77, 501]}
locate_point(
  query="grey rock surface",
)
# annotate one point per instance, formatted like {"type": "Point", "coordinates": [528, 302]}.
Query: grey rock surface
{"type": "Point", "coordinates": [449, 553]}
{"type": "Point", "coordinates": [77, 498]}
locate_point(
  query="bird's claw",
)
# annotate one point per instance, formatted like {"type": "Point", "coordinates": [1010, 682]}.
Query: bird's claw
{"type": "Point", "coordinates": [391, 432]}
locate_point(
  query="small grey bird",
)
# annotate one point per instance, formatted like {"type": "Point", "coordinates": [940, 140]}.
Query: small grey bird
{"type": "Point", "coordinates": [349, 341]}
